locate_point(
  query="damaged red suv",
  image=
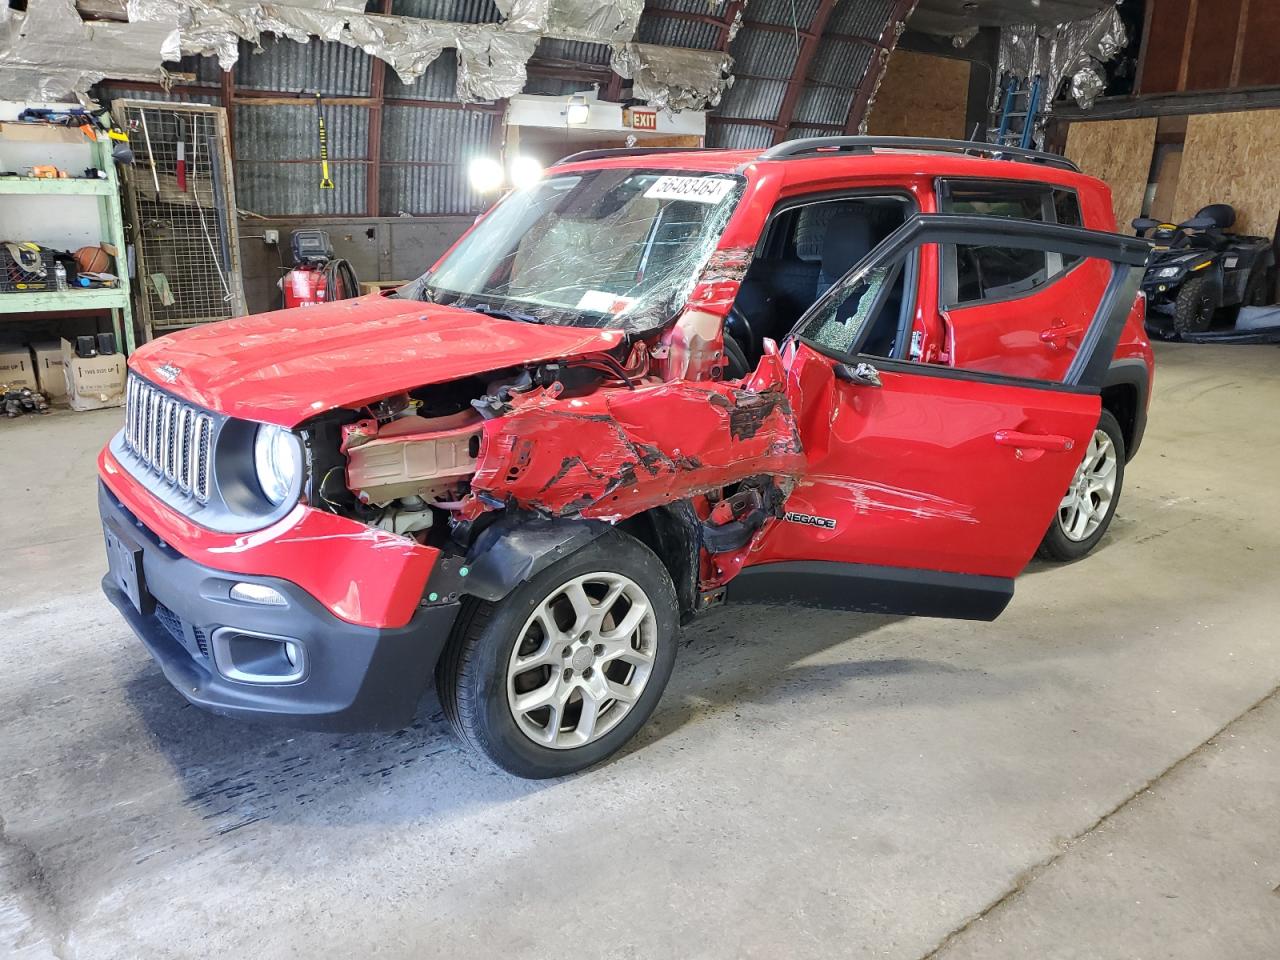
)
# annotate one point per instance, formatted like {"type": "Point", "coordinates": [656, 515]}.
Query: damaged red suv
{"type": "Point", "coordinates": [852, 372]}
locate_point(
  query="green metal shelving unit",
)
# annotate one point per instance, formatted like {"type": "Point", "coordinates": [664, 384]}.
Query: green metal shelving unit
{"type": "Point", "coordinates": [111, 229]}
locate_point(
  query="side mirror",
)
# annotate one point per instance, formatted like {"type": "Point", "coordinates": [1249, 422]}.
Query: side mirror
{"type": "Point", "coordinates": [863, 374]}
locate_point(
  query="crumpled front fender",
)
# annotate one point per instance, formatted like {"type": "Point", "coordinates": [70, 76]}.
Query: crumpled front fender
{"type": "Point", "coordinates": [615, 453]}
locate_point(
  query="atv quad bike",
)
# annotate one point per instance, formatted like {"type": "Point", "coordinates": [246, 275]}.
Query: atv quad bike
{"type": "Point", "coordinates": [1198, 270]}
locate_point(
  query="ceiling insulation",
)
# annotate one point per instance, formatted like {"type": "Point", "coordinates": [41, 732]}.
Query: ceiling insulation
{"type": "Point", "coordinates": [43, 51]}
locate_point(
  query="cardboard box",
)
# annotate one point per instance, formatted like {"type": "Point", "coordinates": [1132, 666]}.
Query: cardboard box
{"type": "Point", "coordinates": [94, 383]}
{"type": "Point", "coordinates": [16, 368]}
{"type": "Point", "coordinates": [49, 370]}
{"type": "Point", "coordinates": [40, 133]}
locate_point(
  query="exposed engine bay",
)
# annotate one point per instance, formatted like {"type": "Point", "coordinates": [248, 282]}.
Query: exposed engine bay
{"type": "Point", "coordinates": [595, 437]}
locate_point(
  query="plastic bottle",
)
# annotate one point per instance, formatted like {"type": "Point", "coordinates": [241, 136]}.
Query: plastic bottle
{"type": "Point", "coordinates": [60, 275]}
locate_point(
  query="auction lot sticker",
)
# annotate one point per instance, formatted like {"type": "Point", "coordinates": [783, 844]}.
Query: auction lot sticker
{"type": "Point", "coordinates": [697, 189]}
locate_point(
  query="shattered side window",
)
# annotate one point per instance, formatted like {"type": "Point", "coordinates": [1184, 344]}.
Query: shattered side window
{"type": "Point", "coordinates": [837, 324]}
{"type": "Point", "coordinates": [606, 248]}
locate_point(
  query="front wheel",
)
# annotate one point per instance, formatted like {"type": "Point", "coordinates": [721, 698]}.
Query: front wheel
{"type": "Point", "coordinates": [1090, 502]}
{"type": "Point", "coordinates": [564, 670]}
{"type": "Point", "coordinates": [1194, 309]}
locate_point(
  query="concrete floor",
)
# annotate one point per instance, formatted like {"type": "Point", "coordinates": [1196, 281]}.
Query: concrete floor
{"type": "Point", "coordinates": [1094, 775]}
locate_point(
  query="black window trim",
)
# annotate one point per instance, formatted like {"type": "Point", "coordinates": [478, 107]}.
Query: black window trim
{"type": "Point", "coordinates": [1088, 370]}
{"type": "Point", "coordinates": [887, 192]}
{"type": "Point", "coordinates": [942, 190]}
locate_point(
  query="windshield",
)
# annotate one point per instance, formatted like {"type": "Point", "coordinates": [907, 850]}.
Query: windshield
{"type": "Point", "coordinates": [604, 248]}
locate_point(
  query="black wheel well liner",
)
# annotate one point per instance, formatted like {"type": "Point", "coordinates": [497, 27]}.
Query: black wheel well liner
{"type": "Point", "coordinates": [1124, 393]}
{"type": "Point", "coordinates": [519, 546]}
{"type": "Point", "coordinates": [671, 532]}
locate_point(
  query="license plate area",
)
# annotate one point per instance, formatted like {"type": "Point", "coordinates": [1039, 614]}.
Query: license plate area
{"type": "Point", "coordinates": [124, 563]}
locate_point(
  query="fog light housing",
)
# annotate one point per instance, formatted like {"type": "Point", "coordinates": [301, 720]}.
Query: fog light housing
{"type": "Point", "coordinates": [258, 657]}
{"type": "Point", "coordinates": [258, 593]}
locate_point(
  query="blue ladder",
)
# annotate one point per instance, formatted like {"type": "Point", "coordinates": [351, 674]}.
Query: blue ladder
{"type": "Point", "coordinates": [1021, 108]}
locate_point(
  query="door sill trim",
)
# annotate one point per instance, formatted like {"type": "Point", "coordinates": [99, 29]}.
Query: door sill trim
{"type": "Point", "coordinates": [869, 588]}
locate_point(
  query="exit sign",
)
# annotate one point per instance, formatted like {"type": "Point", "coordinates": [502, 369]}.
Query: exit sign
{"type": "Point", "coordinates": [641, 119]}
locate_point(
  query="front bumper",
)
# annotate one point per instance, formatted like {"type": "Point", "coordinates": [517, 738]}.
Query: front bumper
{"type": "Point", "coordinates": [354, 678]}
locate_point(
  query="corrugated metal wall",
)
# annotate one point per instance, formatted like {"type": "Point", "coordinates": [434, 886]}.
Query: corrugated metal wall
{"type": "Point", "coordinates": [766, 59]}
{"type": "Point", "coordinates": [424, 149]}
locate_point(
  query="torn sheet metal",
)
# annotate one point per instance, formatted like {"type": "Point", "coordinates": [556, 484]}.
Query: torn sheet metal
{"type": "Point", "coordinates": [618, 452]}
{"type": "Point", "coordinates": [674, 78]}
{"type": "Point", "coordinates": [48, 53]}
{"type": "Point", "coordinates": [1074, 50]}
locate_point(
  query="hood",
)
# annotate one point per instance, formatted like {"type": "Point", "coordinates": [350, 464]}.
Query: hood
{"type": "Point", "coordinates": [286, 366]}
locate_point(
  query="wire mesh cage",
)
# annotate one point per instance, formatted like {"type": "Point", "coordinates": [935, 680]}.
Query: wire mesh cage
{"type": "Point", "coordinates": [182, 209]}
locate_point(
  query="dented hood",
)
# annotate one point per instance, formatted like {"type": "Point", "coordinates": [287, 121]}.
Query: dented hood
{"type": "Point", "coordinates": [286, 366]}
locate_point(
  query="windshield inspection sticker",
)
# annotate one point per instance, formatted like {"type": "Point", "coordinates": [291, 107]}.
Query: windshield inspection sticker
{"type": "Point", "coordinates": [602, 301]}
{"type": "Point", "coordinates": [697, 189]}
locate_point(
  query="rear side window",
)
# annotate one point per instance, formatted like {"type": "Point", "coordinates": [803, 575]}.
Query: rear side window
{"type": "Point", "coordinates": [976, 273]}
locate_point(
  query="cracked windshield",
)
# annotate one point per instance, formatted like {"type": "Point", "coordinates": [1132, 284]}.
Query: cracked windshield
{"type": "Point", "coordinates": [604, 248]}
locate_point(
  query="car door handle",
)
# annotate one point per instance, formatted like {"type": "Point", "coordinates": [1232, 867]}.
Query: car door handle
{"type": "Point", "coordinates": [1058, 335]}
{"type": "Point", "coordinates": [863, 374]}
{"type": "Point", "coordinates": [1034, 441]}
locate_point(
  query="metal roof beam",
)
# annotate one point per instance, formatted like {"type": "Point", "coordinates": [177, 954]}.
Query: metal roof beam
{"type": "Point", "coordinates": [795, 86]}
{"type": "Point", "coordinates": [902, 10]}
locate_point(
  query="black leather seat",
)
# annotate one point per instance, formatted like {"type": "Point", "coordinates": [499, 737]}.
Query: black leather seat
{"type": "Point", "coordinates": [849, 238]}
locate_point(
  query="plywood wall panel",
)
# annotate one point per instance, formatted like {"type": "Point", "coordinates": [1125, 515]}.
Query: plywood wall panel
{"type": "Point", "coordinates": [1118, 152]}
{"type": "Point", "coordinates": [921, 96]}
{"type": "Point", "coordinates": [1233, 158]}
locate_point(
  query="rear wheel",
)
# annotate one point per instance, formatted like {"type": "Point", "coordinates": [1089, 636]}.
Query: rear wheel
{"type": "Point", "coordinates": [564, 670]}
{"type": "Point", "coordinates": [1194, 309]}
{"type": "Point", "coordinates": [1090, 502]}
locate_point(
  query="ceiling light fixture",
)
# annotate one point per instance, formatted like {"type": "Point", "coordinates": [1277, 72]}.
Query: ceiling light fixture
{"type": "Point", "coordinates": [485, 175]}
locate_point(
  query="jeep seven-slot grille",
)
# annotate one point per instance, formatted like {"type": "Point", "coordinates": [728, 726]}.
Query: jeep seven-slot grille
{"type": "Point", "coordinates": [170, 437]}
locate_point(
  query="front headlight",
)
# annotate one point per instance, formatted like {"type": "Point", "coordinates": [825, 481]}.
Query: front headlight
{"type": "Point", "coordinates": [277, 460]}
{"type": "Point", "coordinates": [1168, 273]}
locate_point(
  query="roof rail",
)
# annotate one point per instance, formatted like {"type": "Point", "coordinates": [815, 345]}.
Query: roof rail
{"type": "Point", "coordinates": [619, 152]}
{"type": "Point", "coordinates": [818, 146]}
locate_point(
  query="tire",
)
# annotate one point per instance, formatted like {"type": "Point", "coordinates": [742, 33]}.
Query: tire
{"type": "Point", "coordinates": [1065, 541]}
{"type": "Point", "coordinates": [1192, 311]}
{"type": "Point", "coordinates": [481, 679]}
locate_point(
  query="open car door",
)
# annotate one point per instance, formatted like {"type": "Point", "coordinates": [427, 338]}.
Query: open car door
{"type": "Point", "coordinates": [928, 487]}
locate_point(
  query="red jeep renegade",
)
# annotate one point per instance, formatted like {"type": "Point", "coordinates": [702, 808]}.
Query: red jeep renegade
{"type": "Point", "coordinates": [853, 372]}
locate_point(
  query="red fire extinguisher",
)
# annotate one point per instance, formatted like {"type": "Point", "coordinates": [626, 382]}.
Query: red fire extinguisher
{"type": "Point", "coordinates": [317, 277]}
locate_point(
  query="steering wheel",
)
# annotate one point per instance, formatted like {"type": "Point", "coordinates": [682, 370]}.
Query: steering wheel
{"type": "Point", "coordinates": [737, 325]}
{"type": "Point", "coordinates": [736, 365]}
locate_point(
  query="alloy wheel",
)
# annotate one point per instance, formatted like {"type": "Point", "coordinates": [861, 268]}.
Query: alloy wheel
{"type": "Point", "coordinates": [582, 660]}
{"type": "Point", "coordinates": [1089, 498]}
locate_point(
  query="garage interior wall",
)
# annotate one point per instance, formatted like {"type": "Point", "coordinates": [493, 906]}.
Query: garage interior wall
{"type": "Point", "coordinates": [1192, 45]}
{"type": "Point", "coordinates": [421, 134]}
{"type": "Point", "coordinates": [922, 96]}
{"type": "Point", "coordinates": [1119, 153]}
{"type": "Point", "coordinates": [1233, 158]}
